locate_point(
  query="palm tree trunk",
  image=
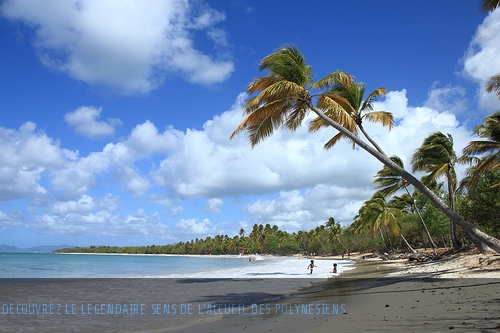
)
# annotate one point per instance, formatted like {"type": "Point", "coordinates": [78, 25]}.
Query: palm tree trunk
{"type": "Point", "coordinates": [370, 139]}
{"type": "Point", "coordinates": [382, 236]}
{"type": "Point", "coordinates": [389, 238]}
{"type": "Point", "coordinates": [408, 244]}
{"type": "Point", "coordinates": [482, 240]}
{"type": "Point", "coordinates": [453, 228]}
{"type": "Point", "coordinates": [434, 247]}
{"type": "Point", "coordinates": [345, 247]}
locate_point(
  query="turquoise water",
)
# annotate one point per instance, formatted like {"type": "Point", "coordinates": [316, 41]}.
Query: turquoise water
{"type": "Point", "coordinates": [45, 265]}
{"type": "Point", "coordinates": [78, 299]}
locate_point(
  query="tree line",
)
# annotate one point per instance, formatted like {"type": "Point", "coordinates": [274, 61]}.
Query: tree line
{"type": "Point", "coordinates": [388, 221]}
{"type": "Point", "coordinates": [283, 98]}
{"type": "Point", "coordinates": [381, 225]}
{"type": "Point", "coordinates": [327, 239]}
{"type": "Point", "coordinates": [439, 211]}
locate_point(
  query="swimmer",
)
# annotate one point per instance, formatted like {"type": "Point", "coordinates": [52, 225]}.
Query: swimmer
{"type": "Point", "coordinates": [311, 266]}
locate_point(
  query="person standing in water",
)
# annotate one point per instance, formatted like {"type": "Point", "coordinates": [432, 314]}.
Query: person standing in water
{"type": "Point", "coordinates": [335, 268]}
{"type": "Point", "coordinates": [311, 266]}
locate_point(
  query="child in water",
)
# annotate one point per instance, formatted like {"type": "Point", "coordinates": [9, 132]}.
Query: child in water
{"type": "Point", "coordinates": [335, 268]}
{"type": "Point", "coordinates": [311, 266]}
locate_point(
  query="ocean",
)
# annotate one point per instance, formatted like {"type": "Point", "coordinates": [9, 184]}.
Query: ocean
{"type": "Point", "coordinates": [149, 293]}
{"type": "Point", "coordinates": [47, 265]}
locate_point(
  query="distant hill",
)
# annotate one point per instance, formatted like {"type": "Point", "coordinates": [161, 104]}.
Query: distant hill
{"type": "Point", "coordinates": [37, 249]}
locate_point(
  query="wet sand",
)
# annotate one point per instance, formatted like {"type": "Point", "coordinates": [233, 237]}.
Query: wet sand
{"type": "Point", "coordinates": [412, 299]}
{"type": "Point", "coordinates": [460, 293]}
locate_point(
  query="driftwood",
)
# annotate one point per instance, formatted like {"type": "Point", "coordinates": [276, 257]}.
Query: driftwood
{"type": "Point", "coordinates": [412, 257]}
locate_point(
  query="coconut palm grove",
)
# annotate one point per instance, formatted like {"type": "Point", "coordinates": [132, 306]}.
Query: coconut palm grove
{"type": "Point", "coordinates": [404, 213]}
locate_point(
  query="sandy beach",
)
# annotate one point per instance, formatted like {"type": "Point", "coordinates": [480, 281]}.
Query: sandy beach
{"type": "Point", "coordinates": [460, 292]}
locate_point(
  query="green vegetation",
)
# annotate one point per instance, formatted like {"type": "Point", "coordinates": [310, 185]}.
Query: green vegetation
{"type": "Point", "coordinates": [287, 93]}
{"type": "Point", "coordinates": [377, 228]}
{"type": "Point", "coordinates": [387, 221]}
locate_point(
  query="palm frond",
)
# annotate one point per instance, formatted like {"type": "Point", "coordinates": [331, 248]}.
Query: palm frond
{"type": "Point", "coordinates": [490, 5]}
{"type": "Point", "coordinates": [261, 83]}
{"type": "Point", "coordinates": [368, 102]}
{"type": "Point", "coordinates": [481, 147]}
{"type": "Point", "coordinates": [382, 117]}
{"type": "Point", "coordinates": [289, 64]}
{"type": "Point", "coordinates": [296, 116]}
{"type": "Point", "coordinates": [388, 181]}
{"type": "Point", "coordinates": [336, 138]}
{"type": "Point", "coordinates": [328, 82]}
{"type": "Point", "coordinates": [336, 108]}
{"type": "Point", "coordinates": [493, 84]}
{"type": "Point", "coordinates": [269, 115]}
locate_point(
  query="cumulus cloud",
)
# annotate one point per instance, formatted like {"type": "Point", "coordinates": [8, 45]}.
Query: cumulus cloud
{"type": "Point", "coordinates": [214, 205]}
{"type": "Point", "coordinates": [25, 155]}
{"type": "Point", "coordinates": [413, 124]}
{"type": "Point", "coordinates": [304, 210]}
{"type": "Point", "coordinates": [127, 46]}
{"type": "Point", "coordinates": [288, 179]}
{"type": "Point", "coordinates": [102, 223]}
{"type": "Point", "coordinates": [195, 227]}
{"type": "Point", "coordinates": [449, 98]}
{"type": "Point", "coordinates": [85, 121]}
{"type": "Point", "coordinates": [482, 59]}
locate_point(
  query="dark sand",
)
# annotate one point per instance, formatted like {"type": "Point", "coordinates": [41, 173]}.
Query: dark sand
{"type": "Point", "coordinates": [380, 304]}
{"type": "Point", "coordinates": [363, 299]}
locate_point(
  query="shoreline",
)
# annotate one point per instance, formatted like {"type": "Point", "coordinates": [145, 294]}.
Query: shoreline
{"type": "Point", "coordinates": [460, 292]}
{"type": "Point", "coordinates": [457, 291]}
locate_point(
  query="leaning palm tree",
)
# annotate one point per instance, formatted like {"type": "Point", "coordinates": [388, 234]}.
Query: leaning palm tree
{"type": "Point", "coordinates": [437, 156]}
{"type": "Point", "coordinates": [285, 96]}
{"type": "Point", "coordinates": [488, 148]}
{"type": "Point", "coordinates": [390, 182]}
{"type": "Point", "coordinates": [345, 101]}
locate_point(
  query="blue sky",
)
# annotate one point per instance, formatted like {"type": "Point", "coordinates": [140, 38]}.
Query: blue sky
{"type": "Point", "coordinates": [116, 115]}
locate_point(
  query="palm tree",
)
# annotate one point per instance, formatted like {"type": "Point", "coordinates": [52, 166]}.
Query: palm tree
{"type": "Point", "coordinates": [437, 156]}
{"type": "Point", "coordinates": [376, 216]}
{"type": "Point", "coordinates": [390, 182]}
{"type": "Point", "coordinates": [335, 230]}
{"type": "Point", "coordinates": [285, 96]}
{"type": "Point", "coordinates": [490, 5]}
{"type": "Point", "coordinates": [490, 130]}
{"type": "Point", "coordinates": [493, 83]}
{"type": "Point", "coordinates": [344, 101]}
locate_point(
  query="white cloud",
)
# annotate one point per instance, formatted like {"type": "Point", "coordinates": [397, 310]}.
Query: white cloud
{"type": "Point", "coordinates": [195, 227]}
{"type": "Point", "coordinates": [413, 124]}
{"type": "Point", "coordinates": [84, 121]}
{"type": "Point", "coordinates": [26, 153]}
{"type": "Point", "coordinates": [127, 46]}
{"type": "Point", "coordinates": [118, 160]}
{"type": "Point", "coordinates": [448, 98]}
{"type": "Point", "coordinates": [214, 205]}
{"type": "Point", "coordinates": [101, 223]}
{"type": "Point", "coordinates": [288, 179]}
{"type": "Point", "coordinates": [482, 59]}
{"type": "Point", "coordinates": [296, 210]}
